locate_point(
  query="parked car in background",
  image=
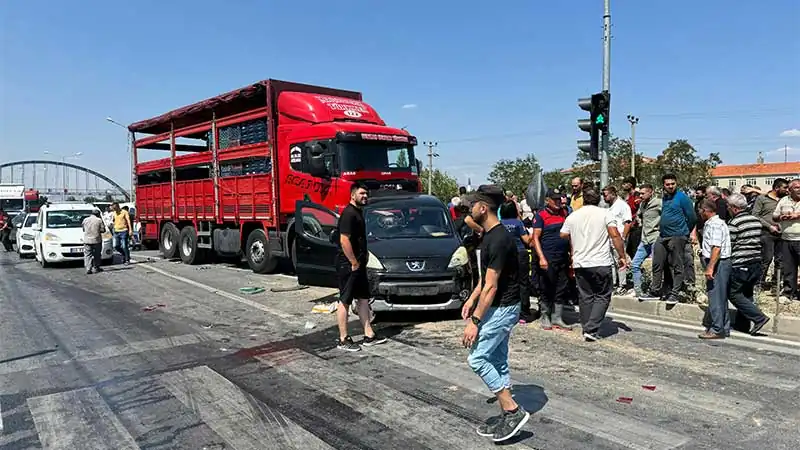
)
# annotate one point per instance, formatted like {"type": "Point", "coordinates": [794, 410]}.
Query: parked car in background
{"type": "Point", "coordinates": [24, 234]}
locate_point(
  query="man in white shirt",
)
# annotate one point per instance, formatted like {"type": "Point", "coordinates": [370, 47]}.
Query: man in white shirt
{"type": "Point", "coordinates": [591, 231]}
{"type": "Point", "coordinates": [787, 215]}
{"type": "Point", "coordinates": [620, 211]}
{"type": "Point", "coordinates": [716, 255]}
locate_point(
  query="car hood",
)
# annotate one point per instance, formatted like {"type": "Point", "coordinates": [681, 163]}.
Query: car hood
{"type": "Point", "coordinates": [413, 248]}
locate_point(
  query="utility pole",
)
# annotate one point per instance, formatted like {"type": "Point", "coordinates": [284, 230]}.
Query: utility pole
{"type": "Point", "coordinates": [785, 153]}
{"type": "Point", "coordinates": [431, 155]}
{"type": "Point", "coordinates": [633, 120]}
{"type": "Point", "coordinates": [606, 86]}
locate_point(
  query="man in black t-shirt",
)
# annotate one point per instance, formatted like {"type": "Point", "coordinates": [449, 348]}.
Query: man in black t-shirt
{"type": "Point", "coordinates": [492, 311]}
{"type": "Point", "coordinates": [351, 271]}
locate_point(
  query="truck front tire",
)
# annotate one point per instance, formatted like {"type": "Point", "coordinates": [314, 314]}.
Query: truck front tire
{"type": "Point", "coordinates": [257, 253]}
{"type": "Point", "coordinates": [168, 244]}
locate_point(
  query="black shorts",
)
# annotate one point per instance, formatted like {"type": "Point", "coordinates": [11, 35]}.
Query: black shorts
{"type": "Point", "coordinates": [352, 285]}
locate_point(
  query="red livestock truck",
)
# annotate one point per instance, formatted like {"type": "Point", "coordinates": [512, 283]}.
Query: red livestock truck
{"type": "Point", "coordinates": [268, 149]}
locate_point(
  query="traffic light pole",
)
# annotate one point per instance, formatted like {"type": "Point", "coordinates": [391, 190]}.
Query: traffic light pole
{"type": "Point", "coordinates": [606, 87]}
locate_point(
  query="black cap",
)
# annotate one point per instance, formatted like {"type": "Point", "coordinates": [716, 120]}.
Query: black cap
{"type": "Point", "coordinates": [554, 193]}
{"type": "Point", "coordinates": [490, 194]}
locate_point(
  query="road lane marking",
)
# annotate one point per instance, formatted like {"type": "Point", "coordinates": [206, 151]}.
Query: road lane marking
{"type": "Point", "coordinates": [583, 416]}
{"type": "Point", "coordinates": [428, 425]}
{"type": "Point", "coordinates": [78, 419]}
{"type": "Point", "coordinates": [237, 417]}
{"type": "Point", "coordinates": [222, 293]}
{"type": "Point", "coordinates": [112, 351]}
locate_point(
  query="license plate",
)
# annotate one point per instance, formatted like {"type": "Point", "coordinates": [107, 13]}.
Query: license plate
{"type": "Point", "coordinates": [76, 250]}
{"type": "Point", "coordinates": [418, 291]}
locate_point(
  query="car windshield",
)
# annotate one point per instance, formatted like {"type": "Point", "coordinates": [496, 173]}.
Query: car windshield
{"type": "Point", "coordinates": [376, 156]}
{"type": "Point", "coordinates": [11, 204]}
{"type": "Point", "coordinates": [67, 219]}
{"type": "Point", "coordinates": [406, 220]}
{"type": "Point", "coordinates": [30, 221]}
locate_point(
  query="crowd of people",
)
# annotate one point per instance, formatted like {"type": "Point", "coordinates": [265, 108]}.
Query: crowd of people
{"type": "Point", "coordinates": [583, 247]}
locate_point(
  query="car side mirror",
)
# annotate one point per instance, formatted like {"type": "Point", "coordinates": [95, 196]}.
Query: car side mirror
{"type": "Point", "coordinates": [36, 227]}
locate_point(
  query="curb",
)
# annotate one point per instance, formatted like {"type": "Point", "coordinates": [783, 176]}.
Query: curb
{"type": "Point", "coordinates": [693, 314]}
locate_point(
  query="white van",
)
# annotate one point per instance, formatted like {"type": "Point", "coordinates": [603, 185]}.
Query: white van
{"type": "Point", "coordinates": [58, 233]}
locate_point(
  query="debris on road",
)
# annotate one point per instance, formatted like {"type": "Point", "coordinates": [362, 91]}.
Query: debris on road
{"type": "Point", "coordinates": [250, 290]}
{"type": "Point", "coordinates": [626, 400]}
{"type": "Point", "coordinates": [310, 325]}
{"type": "Point", "coordinates": [298, 287]}
{"type": "Point", "coordinates": [153, 307]}
{"type": "Point", "coordinates": [649, 387]}
{"type": "Point", "coordinates": [324, 308]}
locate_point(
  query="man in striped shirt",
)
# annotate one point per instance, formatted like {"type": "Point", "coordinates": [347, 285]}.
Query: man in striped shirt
{"type": "Point", "coordinates": [745, 235]}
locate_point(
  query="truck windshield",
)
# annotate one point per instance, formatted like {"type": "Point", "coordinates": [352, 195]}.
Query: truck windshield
{"type": "Point", "coordinates": [403, 221]}
{"type": "Point", "coordinates": [376, 156]}
{"type": "Point", "coordinates": [11, 204]}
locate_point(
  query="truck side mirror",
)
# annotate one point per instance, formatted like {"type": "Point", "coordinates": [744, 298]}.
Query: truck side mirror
{"type": "Point", "coordinates": [419, 166]}
{"type": "Point", "coordinates": [318, 161]}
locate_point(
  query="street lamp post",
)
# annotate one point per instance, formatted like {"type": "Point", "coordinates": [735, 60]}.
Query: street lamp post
{"type": "Point", "coordinates": [64, 173]}
{"type": "Point", "coordinates": [130, 155]}
{"type": "Point", "coordinates": [633, 120]}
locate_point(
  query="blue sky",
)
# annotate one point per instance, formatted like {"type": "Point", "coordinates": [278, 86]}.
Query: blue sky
{"type": "Point", "coordinates": [486, 80]}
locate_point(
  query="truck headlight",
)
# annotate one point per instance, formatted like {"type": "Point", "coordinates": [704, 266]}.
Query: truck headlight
{"type": "Point", "coordinates": [459, 258]}
{"type": "Point", "coordinates": [373, 262]}
{"type": "Point", "coordinates": [51, 237]}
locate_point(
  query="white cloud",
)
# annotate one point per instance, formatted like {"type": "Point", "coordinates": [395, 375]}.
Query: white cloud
{"type": "Point", "coordinates": [794, 132]}
{"type": "Point", "coordinates": [787, 150]}
{"type": "Point", "coordinates": [414, 105]}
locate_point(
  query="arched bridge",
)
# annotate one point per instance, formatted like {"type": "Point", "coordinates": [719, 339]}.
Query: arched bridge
{"type": "Point", "coordinates": [62, 179]}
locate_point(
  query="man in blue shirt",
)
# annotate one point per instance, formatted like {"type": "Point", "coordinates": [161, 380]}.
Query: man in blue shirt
{"type": "Point", "coordinates": [677, 221]}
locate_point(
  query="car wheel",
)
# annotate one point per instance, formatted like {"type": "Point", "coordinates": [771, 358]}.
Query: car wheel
{"type": "Point", "coordinates": [42, 261]}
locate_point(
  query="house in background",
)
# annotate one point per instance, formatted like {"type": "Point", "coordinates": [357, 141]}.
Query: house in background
{"type": "Point", "coordinates": [734, 176]}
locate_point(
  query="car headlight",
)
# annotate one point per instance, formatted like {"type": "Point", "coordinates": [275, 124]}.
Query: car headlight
{"type": "Point", "coordinates": [51, 237]}
{"type": "Point", "coordinates": [373, 262]}
{"type": "Point", "coordinates": [459, 258]}
{"type": "Point", "coordinates": [27, 237]}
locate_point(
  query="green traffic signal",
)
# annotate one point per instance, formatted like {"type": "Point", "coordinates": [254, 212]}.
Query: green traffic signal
{"type": "Point", "coordinates": [600, 119]}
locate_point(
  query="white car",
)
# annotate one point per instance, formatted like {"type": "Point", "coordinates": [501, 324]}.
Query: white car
{"type": "Point", "coordinates": [58, 233]}
{"type": "Point", "coordinates": [24, 236]}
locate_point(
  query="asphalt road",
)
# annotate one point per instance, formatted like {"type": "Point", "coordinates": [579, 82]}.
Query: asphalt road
{"type": "Point", "coordinates": [162, 355]}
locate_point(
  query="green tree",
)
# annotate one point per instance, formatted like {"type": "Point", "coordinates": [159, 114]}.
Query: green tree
{"type": "Point", "coordinates": [515, 174]}
{"type": "Point", "coordinates": [556, 179]}
{"type": "Point", "coordinates": [402, 158]}
{"type": "Point", "coordinates": [71, 198]}
{"type": "Point", "coordinates": [89, 199]}
{"type": "Point", "coordinates": [681, 158]}
{"type": "Point", "coordinates": [444, 186]}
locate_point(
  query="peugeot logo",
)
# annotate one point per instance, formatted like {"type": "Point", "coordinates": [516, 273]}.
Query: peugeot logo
{"type": "Point", "coordinates": [415, 266]}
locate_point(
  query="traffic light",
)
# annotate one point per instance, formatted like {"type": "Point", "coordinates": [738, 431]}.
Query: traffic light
{"type": "Point", "coordinates": [598, 106]}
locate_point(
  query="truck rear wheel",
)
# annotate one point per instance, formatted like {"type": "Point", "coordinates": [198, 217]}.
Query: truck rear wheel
{"type": "Point", "coordinates": [257, 253]}
{"type": "Point", "coordinates": [168, 244]}
{"type": "Point", "coordinates": [187, 247]}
